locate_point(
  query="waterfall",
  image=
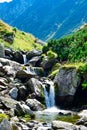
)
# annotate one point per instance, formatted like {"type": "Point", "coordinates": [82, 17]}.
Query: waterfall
{"type": "Point", "coordinates": [25, 59]}
{"type": "Point", "coordinates": [49, 96]}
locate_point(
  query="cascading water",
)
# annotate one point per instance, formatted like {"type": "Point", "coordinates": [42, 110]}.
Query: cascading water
{"type": "Point", "coordinates": [25, 59]}
{"type": "Point", "coordinates": [49, 96]}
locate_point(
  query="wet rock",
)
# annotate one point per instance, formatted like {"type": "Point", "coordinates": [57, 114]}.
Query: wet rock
{"type": "Point", "coordinates": [14, 93]}
{"type": "Point", "coordinates": [5, 125]}
{"type": "Point", "coordinates": [18, 57]}
{"type": "Point", "coordinates": [32, 54]}
{"type": "Point", "coordinates": [34, 104]}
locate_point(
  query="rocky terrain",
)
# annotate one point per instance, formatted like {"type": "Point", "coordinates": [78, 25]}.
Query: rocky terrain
{"type": "Point", "coordinates": [22, 79]}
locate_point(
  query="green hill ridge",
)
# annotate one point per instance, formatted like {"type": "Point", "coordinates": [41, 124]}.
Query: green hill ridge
{"type": "Point", "coordinates": [16, 39]}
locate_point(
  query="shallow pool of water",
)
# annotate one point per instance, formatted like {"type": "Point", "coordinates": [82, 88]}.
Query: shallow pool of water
{"type": "Point", "coordinates": [48, 115]}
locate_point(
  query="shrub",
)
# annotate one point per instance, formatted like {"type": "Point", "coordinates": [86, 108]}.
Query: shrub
{"type": "Point", "coordinates": [51, 54]}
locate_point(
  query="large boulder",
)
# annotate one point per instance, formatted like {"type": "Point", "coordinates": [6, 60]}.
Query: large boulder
{"type": "Point", "coordinates": [9, 37]}
{"type": "Point", "coordinates": [61, 125]}
{"type": "Point", "coordinates": [2, 52]}
{"type": "Point", "coordinates": [7, 102]}
{"type": "Point", "coordinates": [29, 72]}
{"type": "Point", "coordinates": [5, 125]}
{"type": "Point", "coordinates": [22, 93]}
{"type": "Point", "coordinates": [48, 63]}
{"type": "Point", "coordinates": [34, 105]}
{"type": "Point", "coordinates": [35, 61]}
{"type": "Point", "coordinates": [22, 109]}
{"type": "Point", "coordinates": [34, 86]}
{"type": "Point", "coordinates": [9, 53]}
{"type": "Point", "coordinates": [67, 81]}
{"type": "Point", "coordinates": [32, 54]}
{"type": "Point", "coordinates": [14, 93]}
{"type": "Point", "coordinates": [8, 67]}
{"type": "Point", "coordinates": [18, 57]}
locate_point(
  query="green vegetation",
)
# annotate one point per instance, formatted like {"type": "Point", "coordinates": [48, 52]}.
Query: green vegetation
{"type": "Point", "coordinates": [51, 54]}
{"type": "Point", "coordinates": [84, 85]}
{"type": "Point", "coordinates": [3, 116]}
{"type": "Point", "coordinates": [70, 48]}
{"type": "Point", "coordinates": [21, 41]}
{"type": "Point", "coordinates": [72, 119]}
{"type": "Point", "coordinates": [28, 117]}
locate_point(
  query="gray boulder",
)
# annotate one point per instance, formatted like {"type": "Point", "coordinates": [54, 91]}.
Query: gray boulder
{"type": "Point", "coordinates": [33, 53]}
{"type": "Point", "coordinates": [5, 125]}
{"type": "Point", "coordinates": [18, 57]}
{"type": "Point", "coordinates": [22, 109]}
{"type": "Point", "coordinates": [57, 125]}
{"type": "Point", "coordinates": [14, 93]}
{"type": "Point", "coordinates": [47, 64]}
{"type": "Point", "coordinates": [22, 93]}
{"type": "Point", "coordinates": [34, 86]}
{"type": "Point", "coordinates": [35, 61]}
{"type": "Point", "coordinates": [67, 81]}
{"type": "Point", "coordinates": [34, 105]}
{"type": "Point", "coordinates": [8, 103]}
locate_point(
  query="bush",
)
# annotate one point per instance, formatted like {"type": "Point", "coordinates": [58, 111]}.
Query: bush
{"type": "Point", "coordinates": [51, 55]}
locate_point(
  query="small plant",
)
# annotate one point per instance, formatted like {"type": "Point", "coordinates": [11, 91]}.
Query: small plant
{"type": "Point", "coordinates": [84, 85]}
{"type": "Point", "coordinates": [51, 54]}
{"type": "Point", "coordinates": [3, 116]}
{"type": "Point", "coordinates": [14, 29]}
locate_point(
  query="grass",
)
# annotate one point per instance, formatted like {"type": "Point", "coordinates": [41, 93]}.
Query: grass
{"type": "Point", "coordinates": [3, 116]}
{"type": "Point", "coordinates": [22, 40]}
{"type": "Point", "coordinates": [71, 119]}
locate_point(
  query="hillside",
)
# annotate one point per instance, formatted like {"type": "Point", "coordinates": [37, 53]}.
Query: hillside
{"type": "Point", "coordinates": [72, 47]}
{"type": "Point", "coordinates": [18, 40]}
{"type": "Point", "coordinates": [43, 18]}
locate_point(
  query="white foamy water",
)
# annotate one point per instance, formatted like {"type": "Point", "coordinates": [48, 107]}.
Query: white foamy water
{"type": "Point", "coordinates": [25, 59]}
{"type": "Point", "coordinates": [49, 96]}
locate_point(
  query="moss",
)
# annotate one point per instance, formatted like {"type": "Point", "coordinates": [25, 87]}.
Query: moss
{"type": "Point", "coordinates": [72, 119]}
{"type": "Point", "coordinates": [54, 70]}
{"type": "Point", "coordinates": [3, 116]}
{"type": "Point", "coordinates": [28, 117]}
{"type": "Point", "coordinates": [51, 54]}
{"type": "Point", "coordinates": [53, 74]}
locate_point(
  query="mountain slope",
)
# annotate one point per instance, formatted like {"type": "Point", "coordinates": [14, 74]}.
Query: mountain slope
{"type": "Point", "coordinates": [72, 47]}
{"type": "Point", "coordinates": [47, 18]}
{"type": "Point", "coordinates": [18, 40]}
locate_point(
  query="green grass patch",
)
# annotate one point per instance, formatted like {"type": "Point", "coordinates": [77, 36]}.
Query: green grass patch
{"type": "Point", "coordinates": [71, 119]}
{"type": "Point", "coordinates": [3, 116]}
{"type": "Point", "coordinates": [22, 41]}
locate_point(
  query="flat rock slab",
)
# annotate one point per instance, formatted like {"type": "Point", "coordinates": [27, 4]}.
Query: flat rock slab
{"type": "Point", "coordinates": [8, 102]}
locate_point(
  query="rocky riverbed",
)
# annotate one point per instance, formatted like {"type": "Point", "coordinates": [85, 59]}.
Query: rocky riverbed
{"type": "Point", "coordinates": [27, 88]}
